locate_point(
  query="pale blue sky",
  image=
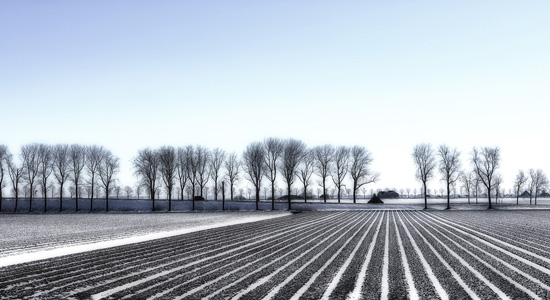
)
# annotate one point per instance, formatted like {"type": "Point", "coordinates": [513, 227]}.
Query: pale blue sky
{"type": "Point", "coordinates": [383, 74]}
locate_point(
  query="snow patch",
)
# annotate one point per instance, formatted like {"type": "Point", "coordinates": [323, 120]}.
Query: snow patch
{"type": "Point", "coordinates": [46, 254]}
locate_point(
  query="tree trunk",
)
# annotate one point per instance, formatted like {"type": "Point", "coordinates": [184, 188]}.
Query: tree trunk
{"type": "Point", "coordinates": [305, 193]}
{"type": "Point", "coordinates": [61, 197]}
{"type": "Point", "coordinates": [324, 191]}
{"type": "Point", "coordinates": [289, 205]}
{"type": "Point", "coordinates": [257, 197]}
{"type": "Point", "coordinates": [489, 196]}
{"type": "Point", "coordinates": [339, 194]}
{"type": "Point", "coordinates": [273, 195]}
{"type": "Point", "coordinates": [448, 196]}
{"type": "Point", "coordinates": [425, 196]}
{"type": "Point", "coordinates": [76, 198]}
{"type": "Point", "coordinates": [354, 191]}
{"type": "Point", "coordinates": [223, 195]}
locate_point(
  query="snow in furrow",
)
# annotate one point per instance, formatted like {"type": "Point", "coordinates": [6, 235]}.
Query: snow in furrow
{"type": "Point", "coordinates": [313, 233]}
{"type": "Point", "coordinates": [344, 267]}
{"type": "Point", "coordinates": [436, 284]}
{"type": "Point", "coordinates": [89, 267]}
{"type": "Point", "coordinates": [312, 279]}
{"type": "Point", "coordinates": [291, 277]}
{"type": "Point", "coordinates": [521, 239]}
{"type": "Point", "coordinates": [122, 261]}
{"type": "Point", "coordinates": [488, 237]}
{"type": "Point", "coordinates": [485, 263]}
{"type": "Point", "coordinates": [385, 287]}
{"type": "Point", "coordinates": [71, 283]}
{"type": "Point", "coordinates": [265, 279]}
{"type": "Point", "coordinates": [498, 248]}
{"type": "Point", "coordinates": [356, 293]}
{"type": "Point", "coordinates": [413, 293]}
{"type": "Point", "coordinates": [40, 255]}
{"type": "Point", "coordinates": [269, 235]}
{"type": "Point", "coordinates": [457, 277]}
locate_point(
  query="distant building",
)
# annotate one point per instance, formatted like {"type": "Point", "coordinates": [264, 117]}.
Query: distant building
{"type": "Point", "coordinates": [388, 195]}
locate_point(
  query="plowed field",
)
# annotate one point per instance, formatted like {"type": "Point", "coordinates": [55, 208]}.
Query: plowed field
{"type": "Point", "coordinates": [320, 255]}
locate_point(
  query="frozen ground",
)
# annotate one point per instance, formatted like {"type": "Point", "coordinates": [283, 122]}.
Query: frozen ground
{"type": "Point", "coordinates": [31, 237]}
{"type": "Point", "coordinates": [358, 254]}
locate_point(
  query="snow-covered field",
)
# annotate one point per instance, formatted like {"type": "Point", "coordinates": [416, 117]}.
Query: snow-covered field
{"type": "Point", "coordinates": [377, 254]}
{"type": "Point", "coordinates": [37, 236]}
{"type": "Point", "coordinates": [142, 205]}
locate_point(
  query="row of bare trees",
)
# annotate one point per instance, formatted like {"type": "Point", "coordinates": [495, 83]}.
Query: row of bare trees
{"type": "Point", "coordinates": [485, 161]}
{"type": "Point", "coordinates": [79, 164]}
{"type": "Point", "coordinates": [194, 166]}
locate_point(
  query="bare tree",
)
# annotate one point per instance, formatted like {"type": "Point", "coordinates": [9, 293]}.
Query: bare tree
{"type": "Point", "coordinates": [359, 169]}
{"type": "Point", "coordinates": [254, 167]}
{"type": "Point", "coordinates": [44, 168]}
{"type": "Point", "coordinates": [128, 191]}
{"type": "Point", "coordinates": [498, 183]}
{"type": "Point", "coordinates": [146, 166]}
{"type": "Point", "coordinates": [181, 170]}
{"type": "Point", "coordinates": [339, 168]}
{"type": "Point", "coordinates": [202, 156]}
{"type": "Point", "coordinates": [77, 157]}
{"type": "Point", "coordinates": [4, 159]}
{"type": "Point", "coordinates": [118, 191]}
{"type": "Point", "coordinates": [61, 168]}
{"type": "Point", "coordinates": [423, 155]}
{"type": "Point", "coordinates": [449, 167]}
{"type": "Point", "coordinates": [539, 181]}
{"type": "Point", "coordinates": [520, 181]}
{"type": "Point", "coordinates": [31, 164]}
{"type": "Point", "coordinates": [138, 188]}
{"type": "Point", "coordinates": [305, 170]}
{"type": "Point", "coordinates": [192, 170]}
{"type": "Point", "coordinates": [16, 173]}
{"type": "Point", "coordinates": [486, 160]}
{"type": "Point", "coordinates": [273, 151]}
{"type": "Point", "coordinates": [467, 179]}
{"type": "Point", "coordinates": [293, 152]}
{"type": "Point", "coordinates": [108, 167]}
{"type": "Point", "coordinates": [232, 165]}
{"type": "Point", "coordinates": [323, 158]}
{"type": "Point", "coordinates": [168, 166]}
{"type": "Point", "coordinates": [94, 155]}
{"type": "Point", "coordinates": [216, 162]}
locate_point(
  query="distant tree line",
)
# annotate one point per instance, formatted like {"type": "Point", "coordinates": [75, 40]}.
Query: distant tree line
{"type": "Point", "coordinates": [41, 166]}
{"type": "Point", "coordinates": [192, 167]}
{"type": "Point", "coordinates": [194, 172]}
{"type": "Point", "coordinates": [484, 161]}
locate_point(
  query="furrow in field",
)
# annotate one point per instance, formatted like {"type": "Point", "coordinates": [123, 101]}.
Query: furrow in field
{"type": "Point", "coordinates": [71, 283]}
{"type": "Point", "coordinates": [493, 263]}
{"type": "Point", "coordinates": [93, 268]}
{"type": "Point", "coordinates": [537, 261]}
{"type": "Point", "coordinates": [433, 279]}
{"type": "Point", "coordinates": [338, 276]}
{"type": "Point", "coordinates": [358, 287]}
{"type": "Point", "coordinates": [262, 287]}
{"type": "Point", "coordinates": [26, 273]}
{"type": "Point", "coordinates": [397, 290]}
{"type": "Point", "coordinates": [140, 278]}
{"type": "Point", "coordinates": [219, 269]}
{"type": "Point", "coordinates": [151, 273]}
{"type": "Point", "coordinates": [531, 239]}
{"type": "Point", "coordinates": [303, 277]}
{"type": "Point", "coordinates": [527, 268]}
{"type": "Point", "coordinates": [256, 278]}
{"type": "Point", "coordinates": [461, 275]}
{"type": "Point", "coordinates": [385, 287]}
